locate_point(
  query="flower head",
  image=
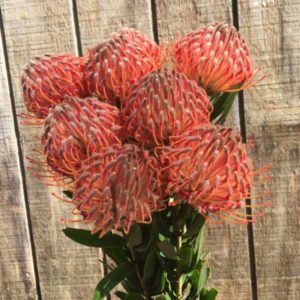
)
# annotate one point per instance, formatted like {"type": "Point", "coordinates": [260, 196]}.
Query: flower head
{"type": "Point", "coordinates": [76, 129]}
{"type": "Point", "coordinates": [210, 169]}
{"type": "Point", "coordinates": [164, 104]}
{"type": "Point", "coordinates": [115, 64]}
{"type": "Point", "coordinates": [216, 57]}
{"type": "Point", "coordinates": [47, 79]}
{"type": "Point", "coordinates": [118, 187]}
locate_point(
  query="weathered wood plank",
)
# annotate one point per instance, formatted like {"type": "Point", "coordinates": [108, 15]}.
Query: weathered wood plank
{"type": "Point", "coordinates": [272, 29]}
{"type": "Point", "coordinates": [17, 276]}
{"type": "Point", "coordinates": [227, 243]}
{"type": "Point", "coordinates": [66, 270]}
{"type": "Point", "coordinates": [98, 19]}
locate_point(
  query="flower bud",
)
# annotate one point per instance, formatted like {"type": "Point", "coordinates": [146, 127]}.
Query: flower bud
{"type": "Point", "coordinates": [76, 129]}
{"type": "Point", "coordinates": [114, 65]}
{"type": "Point", "coordinates": [164, 104]}
{"type": "Point", "coordinates": [216, 57]}
{"type": "Point", "coordinates": [48, 79]}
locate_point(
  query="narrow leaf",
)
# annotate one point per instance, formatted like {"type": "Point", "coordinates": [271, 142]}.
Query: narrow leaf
{"type": "Point", "coordinates": [69, 194]}
{"type": "Point", "coordinates": [118, 254]}
{"type": "Point", "coordinates": [133, 297]}
{"type": "Point", "coordinates": [211, 294]}
{"type": "Point", "coordinates": [167, 249]}
{"type": "Point", "coordinates": [84, 237]}
{"type": "Point", "coordinates": [203, 277]}
{"type": "Point", "coordinates": [186, 257]}
{"type": "Point", "coordinates": [222, 106]}
{"type": "Point", "coordinates": [150, 264]}
{"type": "Point", "coordinates": [195, 226]}
{"type": "Point", "coordinates": [186, 292]}
{"type": "Point", "coordinates": [121, 295]}
{"type": "Point", "coordinates": [159, 284]}
{"type": "Point", "coordinates": [112, 279]}
{"type": "Point", "coordinates": [200, 243]}
{"type": "Point", "coordinates": [135, 236]}
{"type": "Point", "coordinates": [149, 241]}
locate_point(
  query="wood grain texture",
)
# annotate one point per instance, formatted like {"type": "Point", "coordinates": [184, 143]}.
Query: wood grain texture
{"type": "Point", "coordinates": [272, 29]}
{"type": "Point", "coordinates": [227, 243]}
{"type": "Point", "coordinates": [98, 19]}
{"type": "Point", "coordinates": [66, 270]}
{"type": "Point", "coordinates": [17, 276]}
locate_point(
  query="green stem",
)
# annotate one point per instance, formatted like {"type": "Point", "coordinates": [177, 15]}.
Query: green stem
{"type": "Point", "coordinates": [178, 237]}
{"type": "Point", "coordinates": [137, 269]}
{"type": "Point", "coordinates": [139, 273]}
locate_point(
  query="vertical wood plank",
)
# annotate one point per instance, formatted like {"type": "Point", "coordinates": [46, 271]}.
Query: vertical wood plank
{"type": "Point", "coordinates": [98, 19]}
{"type": "Point", "coordinates": [17, 275]}
{"type": "Point", "coordinates": [66, 270]}
{"type": "Point", "coordinates": [227, 243]}
{"type": "Point", "coordinates": [272, 29]}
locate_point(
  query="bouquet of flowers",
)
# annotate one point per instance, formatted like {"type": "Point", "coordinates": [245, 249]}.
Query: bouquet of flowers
{"type": "Point", "coordinates": [134, 134]}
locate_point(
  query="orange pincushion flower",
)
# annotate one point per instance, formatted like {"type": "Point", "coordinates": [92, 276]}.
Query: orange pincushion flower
{"type": "Point", "coordinates": [210, 169]}
{"type": "Point", "coordinates": [118, 187]}
{"type": "Point", "coordinates": [115, 64]}
{"type": "Point", "coordinates": [216, 57]}
{"type": "Point", "coordinates": [47, 79]}
{"type": "Point", "coordinates": [164, 104]}
{"type": "Point", "coordinates": [77, 128]}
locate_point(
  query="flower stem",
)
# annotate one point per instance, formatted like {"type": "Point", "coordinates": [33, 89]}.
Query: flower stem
{"type": "Point", "coordinates": [137, 269]}
{"type": "Point", "coordinates": [139, 273]}
{"type": "Point", "coordinates": [178, 237]}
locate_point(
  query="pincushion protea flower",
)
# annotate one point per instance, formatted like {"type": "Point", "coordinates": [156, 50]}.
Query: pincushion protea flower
{"type": "Point", "coordinates": [114, 65]}
{"type": "Point", "coordinates": [210, 169]}
{"type": "Point", "coordinates": [49, 78]}
{"type": "Point", "coordinates": [216, 57]}
{"type": "Point", "coordinates": [164, 104]}
{"type": "Point", "coordinates": [118, 187]}
{"type": "Point", "coordinates": [76, 129]}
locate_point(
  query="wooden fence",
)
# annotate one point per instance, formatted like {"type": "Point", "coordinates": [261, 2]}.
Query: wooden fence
{"type": "Point", "coordinates": [260, 262]}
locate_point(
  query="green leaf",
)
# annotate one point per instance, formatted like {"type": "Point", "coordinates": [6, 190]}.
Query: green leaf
{"type": "Point", "coordinates": [163, 297]}
{"type": "Point", "coordinates": [69, 194]}
{"type": "Point", "coordinates": [150, 266]}
{"type": "Point", "coordinates": [149, 239]}
{"type": "Point", "coordinates": [117, 254]}
{"type": "Point", "coordinates": [132, 285]}
{"type": "Point", "coordinates": [159, 284]}
{"type": "Point", "coordinates": [84, 237]}
{"type": "Point", "coordinates": [167, 249]}
{"type": "Point", "coordinates": [186, 292]}
{"type": "Point", "coordinates": [209, 295]}
{"type": "Point", "coordinates": [203, 277]}
{"type": "Point", "coordinates": [195, 226]}
{"type": "Point", "coordinates": [121, 295]}
{"type": "Point", "coordinates": [134, 236]}
{"type": "Point", "coordinates": [199, 279]}
{"type": "Point", "coordinates": [200, 243]}
{"type": "Point", "coordinates": [134, 297]}
{"type": "Point", "coordinates": [164, 227]}
{"type": "Point", "coordinates": [112, 279]}
{"type": "Point", "coordinates": [186, 257]}
{"type": "Point", "coordinates": [222, 106]}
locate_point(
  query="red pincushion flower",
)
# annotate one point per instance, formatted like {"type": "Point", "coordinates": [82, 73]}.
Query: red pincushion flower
{"type": "Point", "coordinates": [216, 57]}
{"type": "Point", "coordinates": [164, 104]}
{"type": "Point", "coordinates": [118, 187]}
{"type": "Point", "coordinates": [115, 64]}
{"type": "Point", "coordinates": [76, 129]}
{"type": "Point", "coordinates": [210, 169]}
{"type": "Point", "coordinates": [47, 79]}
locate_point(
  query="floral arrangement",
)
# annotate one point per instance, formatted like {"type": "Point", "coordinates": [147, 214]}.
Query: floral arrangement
{"type": "Point", "coordinates": [134, 134]}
